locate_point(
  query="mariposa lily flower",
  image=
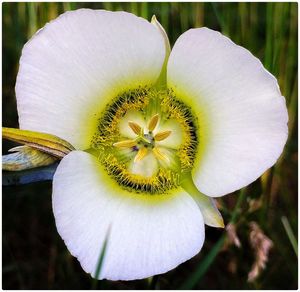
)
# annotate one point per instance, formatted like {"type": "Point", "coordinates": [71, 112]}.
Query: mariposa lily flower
{"type": "Point", "coordinates": [151, 135]}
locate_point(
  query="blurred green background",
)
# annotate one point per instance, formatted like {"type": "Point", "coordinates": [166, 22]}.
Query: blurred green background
{"type": "Point", "coordinates": [35, 257]}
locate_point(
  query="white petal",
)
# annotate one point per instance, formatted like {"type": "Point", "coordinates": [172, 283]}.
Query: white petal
{"type": "Point", "coordinates": [146, 167]}
{"type": "Point", "coordinates": [131, 116]}
{"type": "Point", "coordinates": [242, 115]}
{"type": "Point", "coordinates": [77, 63]}
{"type": "Point", "coordinates": [176, 137]}
{"type": "Point", "coordinates": [148, 234]}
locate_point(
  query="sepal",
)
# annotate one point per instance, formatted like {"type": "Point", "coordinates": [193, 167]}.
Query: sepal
{"type": "Point", "coordinates": [207, 205]}
{"type": "Point", "coordinates": [162, 80]}
{"type": "Point", "coordinates": [41, 141]}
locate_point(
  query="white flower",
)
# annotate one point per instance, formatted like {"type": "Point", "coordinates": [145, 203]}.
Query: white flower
{"type": "Point", "coordinates": [144, 123]}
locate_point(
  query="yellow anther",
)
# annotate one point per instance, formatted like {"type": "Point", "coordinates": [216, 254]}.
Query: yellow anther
{"type": "Point", "coordinates": [162, 135]}
{"type": "Point", "coordinates": [141, 154]}
{"type": "Point", "coordinates": [135, 128]}
{"type": "Point", "coordinates": [153, 122]}
{"type": "Point", "coordinates": [125, 144]}
{"type": "Point", "coordinates": [160, 155]}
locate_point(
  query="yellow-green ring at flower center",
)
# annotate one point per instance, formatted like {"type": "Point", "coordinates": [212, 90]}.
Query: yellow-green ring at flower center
{"type": "Point", "coordinates": [147, 102]}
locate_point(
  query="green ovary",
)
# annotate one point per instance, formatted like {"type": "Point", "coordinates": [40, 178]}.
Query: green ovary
{"type": "Point", "coordinates": [146, 139]}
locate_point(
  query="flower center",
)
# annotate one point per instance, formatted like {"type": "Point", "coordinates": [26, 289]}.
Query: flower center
{"type": "Point", "coordinates": [146, 139]}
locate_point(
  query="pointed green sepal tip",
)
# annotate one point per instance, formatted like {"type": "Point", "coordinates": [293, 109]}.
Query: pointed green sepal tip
{"type": "Point", "coordinates": [162, 79]}
{"type": "Point", "coordinates": [210, 212]}
{"type": "Point", "coordinates": [156, 23]}
{"type": "Point", "coordinates": [207, 205]}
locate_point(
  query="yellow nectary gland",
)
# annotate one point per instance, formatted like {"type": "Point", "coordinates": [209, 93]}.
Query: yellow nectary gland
{"type": "Point", "coordinates": [147, 102]}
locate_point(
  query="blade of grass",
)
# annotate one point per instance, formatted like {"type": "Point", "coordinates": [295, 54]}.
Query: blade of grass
{"type": "Point", "coordinates": [96, 282]}
{"type": "Point", "coordinates": [134, 8]}
{"type": "Point", "coordinates": [292, 107]}
{"type": "Point", "coordinates": [291, 61]}
{"type": "Point", "coordinates": [269, 37]}
{"type": "Point", "coordinates": [165, 15]}
{"type": "Point", "coordinates": [244, 20]}
{"type": "Point", "coordinates": [33, 26]}
{"type": "Point", "coordinates": [108, 6]}
{"type": "Point", "coordinates": [199, 14]}
{"type": "Point", "coordinates": [290, 234]}
{"type": "Point", "coordinates": [204, 265]}
{"type": "Point", "coordinates": [218, 15]}
{"type": "Point", "coordinates": [184, 17]}
{"type": "Point", "coordinates": [67, 6]}
{"type": "Point", "coordinates": [153, 283]}
{"type": "Point", "coordinates": [144, 10]}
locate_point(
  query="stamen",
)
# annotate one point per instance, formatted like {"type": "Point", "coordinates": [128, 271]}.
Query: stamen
{"type": "Point", "coordinates": [162, 135]}
{"type": "Point", "coordinates": [159, 155]}
{"type": "Point", "coordinates": [135, 127]}
{"type": "Point", "coordinates": [153, 122]}
{"type": "Point", "coordinates": [125, 144]}
{"type": "Point", "coordinates": [141, 154]}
